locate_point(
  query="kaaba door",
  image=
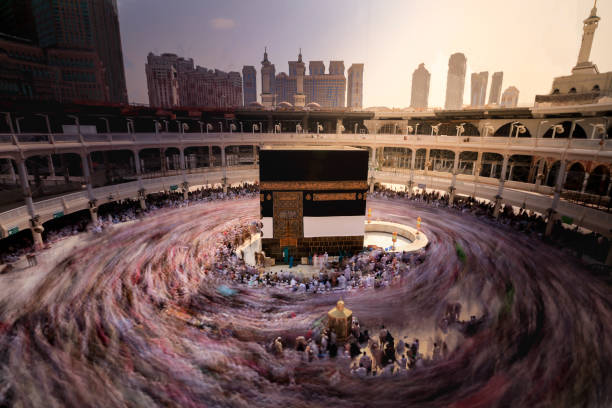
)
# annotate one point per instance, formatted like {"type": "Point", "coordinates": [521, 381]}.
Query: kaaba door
{"type": "Point", "coordinates": [288, 213]}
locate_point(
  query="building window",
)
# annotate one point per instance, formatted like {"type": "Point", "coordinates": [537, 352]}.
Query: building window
{"type": "Point", "coordinates": [573, 90]}
{"type": "Point", "coordinates": [596, 88]}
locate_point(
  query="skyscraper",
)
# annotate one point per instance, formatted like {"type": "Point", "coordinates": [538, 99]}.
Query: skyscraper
{"type": "Point", "coordinates": [85, 25]}
{"type": "Point", "coordinates": [455, 81]}
{"type": "Point", "coordinates": [316, 68]}
{"type": "Point", "coordinates": [509, 98]}
{"type": "Point", "coordinates": [300, 69]}
{"type": "Point", "coordinates": [354, 96]}
{"type": "Point", "coordinates": [267, 81]}
{"type": "Point", "coordinates": [420, 88]}
{"type": "Point", "coordinates": [162, 80]}
{"type": "Point", "coordinates": [204, 87]}
{"type": "Point", "coordinates": [496, 86]}
{"type": "Point", "coordinates": [173, 81]}
{"type": "Point", "coordinates": [249, 84]}
{"type": "Point", "coordinates": [328, 90]}
{"type": "Point", "coordinates": [479, 88]}
{"type": "Point", "coordinates": [107, 43]}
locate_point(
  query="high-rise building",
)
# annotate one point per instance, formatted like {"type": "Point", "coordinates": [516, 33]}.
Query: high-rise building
{"type": "Point", "coordinates": [479, 88]}
{"type": "Point", "coordinates": [496, 85]}
{"type": "Point", "coordinates": [107, 43]}
{"type": "Point", "coordinates": [316, 68]}
{"type": "Point", "coordinates": [268, 88]}
{"type": "Point", "coordinates": [212, 88]}
{"type": "Point", "coordinates": [162, 80]}
{"type": "Point", "coordinates": [455, 81]}
{"type": "Point", "coordinates": [249, 84]}
{"type": "Point", "coordinates": [420, 88]}
{"type": "Point", "coordinates": [173, 81]}
{"type": "Point", "coordinates": [509, 98]}
{"type": "Point", "coordinates": [300, 69]}
{"type": "Point", "coordinates": [16, 19]}
{"type": "Point", "coordinates": [285, 88]}
{"type": "Point", "coordinates": [28, 71]}
{"type": "Point", "coordinates": [85, 25]}
{"type": "Point", "coordinates": [354, 95]}
{"type": "Point", "coordinates": [328, 90]}
{"type": "Point", "coordinates": [336, 68]}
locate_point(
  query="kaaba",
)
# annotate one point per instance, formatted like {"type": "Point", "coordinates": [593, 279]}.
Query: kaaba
{"type": "Point", "coordinates": [313, 200]}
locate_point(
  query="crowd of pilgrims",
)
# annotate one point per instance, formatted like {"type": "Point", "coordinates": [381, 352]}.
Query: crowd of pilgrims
{"type": "Point", "coordinates": [113, 213]}
{"type": "Point", "coordinates": [376, 353]}
{"type": "Point", "coordinates": [569, 238]}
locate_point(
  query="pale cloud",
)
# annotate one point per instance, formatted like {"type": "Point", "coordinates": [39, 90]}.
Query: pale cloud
{"type": "Point", "coordinates": [221, 23]}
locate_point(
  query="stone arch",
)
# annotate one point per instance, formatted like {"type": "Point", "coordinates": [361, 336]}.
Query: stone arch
{"type": "Point", "coordinates": [579, 132]}
{"type": "Point", "coordinates": [419, 160]}
{"type": "Point", "coordinates": [151, 160]}
{"type": "Point", "coordinates": [551, 176]}
{"type": "Point", "coordinates": [441, 160]}
{"type": "Point", "coordinates": [196, 157]}
{"type": "Point", "coordinates": [520, 167]}
{"type": "Point", "coordinates": [396, 157]}
{"type": "Point", "coordinates": [504, 130]}
{"type": "Point", "coordinates": [574, 177]}
{"type": "Point", "coordinates": [471, 130]}
{"type": "Point", "coordinates": [491, 165]}
{"type": "Point", "coordinates": [467, 161]}
{"type": "Point", "coordinates": [172, 158]}
{"type": "Point", "coordinates": [111, 166]}
{"type": "Point", "coordinates": [598, 180]}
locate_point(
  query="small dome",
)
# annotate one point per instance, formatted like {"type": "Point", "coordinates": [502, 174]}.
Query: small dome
{"type": "Point", "coordinates": [313, 105]}
{"type": "Point", "coordinates": [255, 104]}
{"type": "Point", "coordinates": [285, 104]}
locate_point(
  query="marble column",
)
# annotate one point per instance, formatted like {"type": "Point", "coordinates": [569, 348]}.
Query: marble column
{"type": "Point", "coordinates": [454, 178]}
{"type": "Point", "coordinates": [500, 190]}
{"type": "Point", "coordinates": [585, 182]}
{"type": "Point", "coordinates": [556, 197]}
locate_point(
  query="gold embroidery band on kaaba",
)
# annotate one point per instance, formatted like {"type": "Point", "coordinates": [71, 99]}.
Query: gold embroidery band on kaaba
{"type": "Point", "coordinates": [313, 185]}
{"type": "Point", "coordinates": [333, 196]}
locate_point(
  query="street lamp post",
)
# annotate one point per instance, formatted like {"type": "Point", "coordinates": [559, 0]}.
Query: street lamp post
{"type": "Point", "coordinates": [166, 125]}
{"type": "Point", "coordinates": [416, 128]}
{"type": "Point", "coordinates": [571, 136]}
{"type": "Point", "coordinates": [201, 126]}
{"type": "Point", "coordinates": [557, 129]}
{"type": "Point", "coordinates": [512, 128]}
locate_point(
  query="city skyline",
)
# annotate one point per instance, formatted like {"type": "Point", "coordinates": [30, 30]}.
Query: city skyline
{"type": "Point", "coordinates": [363, 36]}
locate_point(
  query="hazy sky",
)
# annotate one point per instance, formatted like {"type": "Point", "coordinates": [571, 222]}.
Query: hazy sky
{"type": "Point", "coordinates": [532, 41]}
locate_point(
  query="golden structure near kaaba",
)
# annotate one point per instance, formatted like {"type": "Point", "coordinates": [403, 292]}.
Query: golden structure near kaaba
{"type": "Point", "coordinates": [340, 319]}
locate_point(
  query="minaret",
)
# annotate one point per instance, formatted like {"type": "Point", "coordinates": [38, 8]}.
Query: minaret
{"type": "Point", "coordinates": [267, 81]}
{"type": "Point", "coordinates": [300, 69]}
{"type": "Point", "coordinates": [584, 66]}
